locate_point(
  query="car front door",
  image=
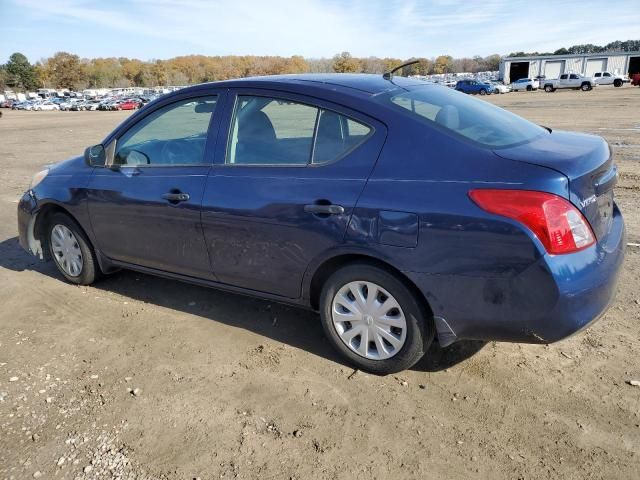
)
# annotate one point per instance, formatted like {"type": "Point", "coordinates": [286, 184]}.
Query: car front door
{"type": "Point", "coordinates": [564, 80]}
{"type": "Point", "coordinates": [145, 203]}
{"type": "Point", "coordinates": [282, 191]}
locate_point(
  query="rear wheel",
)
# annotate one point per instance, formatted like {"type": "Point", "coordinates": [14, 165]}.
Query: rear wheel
{"type": "Point", "coordinates": [585, 87]}
{"type": "Point", "coordinates": [374, 320]}
{"type": "Point", "coordinates": [71, 250]}
{"type": "Point", "coordinates": [617, 82]}
{"type": "Point", "coordinates": [483, 91]}
{"type": "Point", "coordinates": [529, 88]}
{"type": "Point", "coordinates": [548, 88]}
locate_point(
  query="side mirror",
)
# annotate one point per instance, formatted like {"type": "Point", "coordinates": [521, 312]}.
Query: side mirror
{"type": "Point", "coordinates": [95, 156]}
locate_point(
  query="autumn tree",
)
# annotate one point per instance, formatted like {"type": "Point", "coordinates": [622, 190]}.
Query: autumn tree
{"type": "Point", "coordinates": [4, 77]}
{"type": "Point", "coordinates": [345, 63]}
{"type": "Point", "coordinates": [66, 71]}
{"type": "Point", "coordinates": [443, 64]}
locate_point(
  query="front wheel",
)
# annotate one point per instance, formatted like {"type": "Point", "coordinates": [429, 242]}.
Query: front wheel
{"type": "Point", "coordinates": [529, 88]}
{"type": "Point", "coordinates": [374, 320]}
{"type": "Point", "coordinates": [71, 250]}
{"type": "Point", "coordinates": [483, 91]}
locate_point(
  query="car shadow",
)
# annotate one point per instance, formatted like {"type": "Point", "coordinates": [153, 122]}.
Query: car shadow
{"type": "Point", "coordinates": [291, 325]}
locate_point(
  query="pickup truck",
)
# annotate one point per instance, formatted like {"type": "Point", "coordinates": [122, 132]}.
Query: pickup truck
{"type": "Point", "coordinates": [570, 80]}
{"type": "Point", "coordinates": [608, 78]}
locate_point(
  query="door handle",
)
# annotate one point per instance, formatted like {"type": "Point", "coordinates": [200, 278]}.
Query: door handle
{"type": "Point", "coordinates": [176, 197]}
{"type": "Point", "coordinates": [324, 209]}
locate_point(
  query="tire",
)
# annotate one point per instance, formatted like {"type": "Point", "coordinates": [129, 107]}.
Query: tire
{"type": "Point", "coordinates": [548, 88]}
{"type": "Point", "coordinates": [617, 82]}
{"type": "Point", "coordinates": [483, 91]}
{"type": "Point", "coordinates": [88, 271]}
{"type": "Point", "coordinates": [417, 331]}
{"type": "Point", "coordinates": [585, 87]}
{"type": "Point", "coordinates": [529, 88]}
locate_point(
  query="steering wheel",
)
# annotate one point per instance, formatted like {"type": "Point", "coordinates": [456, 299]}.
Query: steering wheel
{"type": "Point", "coordinates": [179, 152]}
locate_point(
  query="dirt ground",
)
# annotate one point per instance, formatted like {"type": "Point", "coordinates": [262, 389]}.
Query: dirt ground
{"type": "Point", "coordinates": [140, 377]}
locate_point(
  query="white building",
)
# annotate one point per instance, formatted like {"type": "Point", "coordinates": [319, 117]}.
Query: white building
{"type": "Point", "coordinates": [552, 66]}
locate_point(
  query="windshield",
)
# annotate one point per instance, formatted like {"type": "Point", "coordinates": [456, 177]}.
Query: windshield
{"type": "Point", "coordinates": [474, 119]}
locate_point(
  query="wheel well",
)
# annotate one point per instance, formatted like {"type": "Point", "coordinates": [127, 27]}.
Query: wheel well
{"type": "Point", "coordinates": [333, 264]}
{"type": "Point", "coordinates": [40, 226]}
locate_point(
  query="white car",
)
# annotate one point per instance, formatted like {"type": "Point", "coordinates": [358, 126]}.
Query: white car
{"type": "Point", "coordinates": [501, 87]}
{"type": "Point", "coordinates": [608, 78]}
{"type": "Point", "coordinates": [46, 106]}
{"type": "Point", "coordinates": [527, 84]}
{"type": "Point", "coordinates": [92, 105]}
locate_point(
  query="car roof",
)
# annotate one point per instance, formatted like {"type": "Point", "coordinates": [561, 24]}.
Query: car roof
{"type": "Point", "coordinates": [371, 84]}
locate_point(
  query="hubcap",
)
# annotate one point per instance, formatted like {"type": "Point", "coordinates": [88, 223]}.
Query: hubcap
{"type": "Point", "coordinates": [369, 320]}
{"type": "Point", "coordinates": [66, 250]}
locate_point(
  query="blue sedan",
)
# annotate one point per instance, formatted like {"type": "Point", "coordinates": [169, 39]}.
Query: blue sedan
{"type": "Point", "coordinates": [404, 212]}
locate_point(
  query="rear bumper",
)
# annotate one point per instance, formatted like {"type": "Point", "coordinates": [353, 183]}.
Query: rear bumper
{"type": "Point", "coordinates": [553, 298]}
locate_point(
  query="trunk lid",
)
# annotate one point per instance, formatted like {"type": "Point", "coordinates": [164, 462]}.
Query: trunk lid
{"type": "Point", "coordinates": [587, 162]}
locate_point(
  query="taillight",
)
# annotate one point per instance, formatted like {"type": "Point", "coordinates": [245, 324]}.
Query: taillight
{"type": "Point", "coordinates": [556, 222]}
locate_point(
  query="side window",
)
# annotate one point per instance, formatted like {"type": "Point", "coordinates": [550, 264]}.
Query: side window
{"type": "Point", "coordinates": [597, 75]}
{"type": "Point", "coordinates": [271, 131]}
{"type": "Point", "coordinates": [606, 74]}
{"type": "Point", "coordinates": [173, 135]}
{"type": "Point", "coordinates": [337, 135]}
{"type": "Point", "coordinates": [564, 76]}
{"type": "Point", "coordinates": [573, 76]}
{"type": "Point", "coordinates": [268, 131]}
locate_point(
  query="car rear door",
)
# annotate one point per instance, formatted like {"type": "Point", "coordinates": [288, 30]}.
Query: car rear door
{"type": "Point", "coordinates": [574, 80]}
{"type": "Point", "coordinates": [145, 206]}
{"type": "Point", "coordinates": [282, 191]}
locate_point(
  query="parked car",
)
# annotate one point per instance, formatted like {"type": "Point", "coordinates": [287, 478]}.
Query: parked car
{"type": "Point", "coordinates": [402, 211]}
{"type": "Point", "coordinates": [105, 104]}
{"type": "Point", "coordinates": [26, 105]}
{"type": "Point", "coordinates": [525, 84]}
{"type": "Point", "coordinates": [78, 106]}
{"type": "Point", "coordinates": [67, 103]}
{"type": "Point", "coordinates": [574, 81]}
{"type": "Point", "coordinates": [499, 87]}
{"type": "Point", "coordinates": [92, 105]}
{"type": "Point", "coordinates": [46, 105]}
{"type": "Point", "coordinates": [474, 87]}
{"type": "Point", "coordinates": [635, 79]}
{"type": "Point", "coordinates": [128, 104]}
{"type": "Point", "coordinates": [608, 78]}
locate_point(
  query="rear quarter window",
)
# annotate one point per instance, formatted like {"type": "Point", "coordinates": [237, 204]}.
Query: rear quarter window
{"type": "Point", "coordinates": [467, 117]}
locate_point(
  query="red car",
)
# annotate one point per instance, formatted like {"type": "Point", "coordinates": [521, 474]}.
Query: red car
{"type": "Point", "coordinates": [128, 105]}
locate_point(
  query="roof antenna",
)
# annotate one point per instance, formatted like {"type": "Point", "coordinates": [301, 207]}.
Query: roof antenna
{"type": "Point", "coordinates": [389, 74]}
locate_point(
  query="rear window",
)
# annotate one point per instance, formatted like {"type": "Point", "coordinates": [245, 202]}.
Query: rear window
{"type": "Point", "coordinates": [474, 119]}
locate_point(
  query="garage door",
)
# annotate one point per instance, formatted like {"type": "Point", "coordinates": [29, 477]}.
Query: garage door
{"type": "Point", "coordinates": [595, 65]}
{"type": "Point", "coordinates": [553, 69]}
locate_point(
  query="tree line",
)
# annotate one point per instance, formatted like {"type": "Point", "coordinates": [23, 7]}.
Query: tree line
{"type": "Point", "coordinates": [67, 70]}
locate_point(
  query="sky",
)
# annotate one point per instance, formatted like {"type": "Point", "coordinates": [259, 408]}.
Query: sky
{"type": "Point", "coordinates": [160, 29]}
